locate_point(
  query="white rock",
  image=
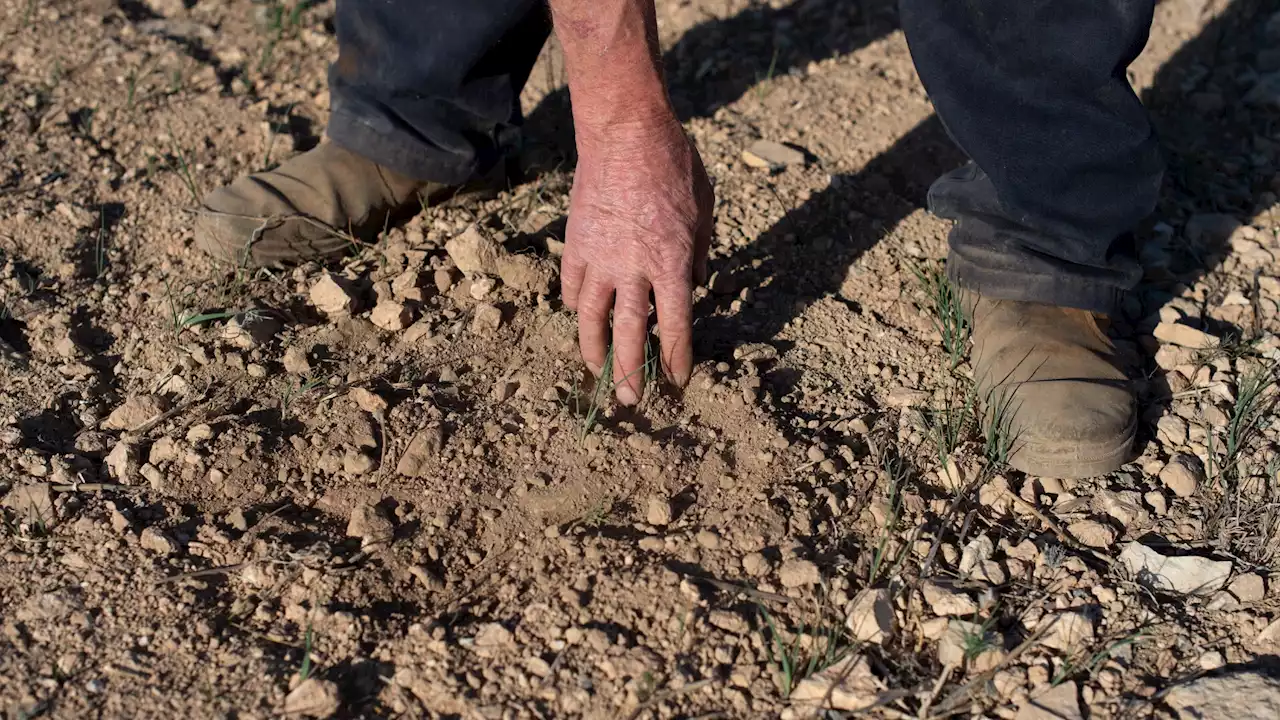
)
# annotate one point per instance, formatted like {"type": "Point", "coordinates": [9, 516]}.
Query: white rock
{"type": "Point", "coordinates": [798, 573]}
{"type": "Point", "coordinates": [1069, 631]}
{"type": "Point", "coordinates": [135, 412]}
{"type": "Point", "coordinates": [313, 698]}
{"type": "Point", "coordinates": [124, 461]}
{"type": "Point", "coordinates": [1249, 587]}
{"type": "Point", "coordinates": [768, 154]}
{"type": "Point", "coordinates": [370, 525]}
{"type": "Point", "coordinates": [975, 552]}
{"type": "Point", "coordinates": [1184, 336]}
{"type": "Point", "coordinates": [848, 685]}
{"type": "Point", "coordinates": [391, 315]}
{"type": "Point", "coordinates": [1187, 575]}
{"type": "Point", "coordinates": [945, 601]}
{"type": "Point", "coordinates": [473, 253]}
{"type": "Point", "coordinates": [1210, 227]}
{"type": "Point", "coordinates": [1092, 533]}
{"type": "Point", "coordinates": [869, 616]}
{"type": "Point", "coordinates": [1226, 697]}
{"type": "Point", "coordinates": [157, 541]}
{"type": "Point", "coordinates": [492, 639]}
{"type": "Point", "coordinates": [659, 511]}
{"type": "Point", "coordinates": [331, 297]}
{"type": "Point", "coordinates": [1057, 702]}
{"type": "Point", "coordinates": [963, 638]}
{"type": "Point", "coordinates": [1182, 475]}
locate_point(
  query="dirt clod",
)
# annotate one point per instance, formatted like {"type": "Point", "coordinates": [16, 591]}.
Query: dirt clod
{"type": "Point", "coordinates": [313, 698]}
{"type": "Point", "coordinates": [135, 412]}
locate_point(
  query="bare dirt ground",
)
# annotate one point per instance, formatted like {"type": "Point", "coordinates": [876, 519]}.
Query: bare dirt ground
{"type": "Point", "coordinates": [392, 491]}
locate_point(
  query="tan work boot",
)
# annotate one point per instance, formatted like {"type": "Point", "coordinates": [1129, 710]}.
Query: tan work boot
{"type": "Point", "coordinates": [1051, 377]}
{"type": "Point", "coordinates": [309, 208]}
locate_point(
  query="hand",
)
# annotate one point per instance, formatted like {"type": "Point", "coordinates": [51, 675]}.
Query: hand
{"type": "Point", "coordinates": [639, 219]}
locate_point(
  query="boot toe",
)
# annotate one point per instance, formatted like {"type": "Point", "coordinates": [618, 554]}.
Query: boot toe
{"type": "Point", "coordinates": [1071, 429]}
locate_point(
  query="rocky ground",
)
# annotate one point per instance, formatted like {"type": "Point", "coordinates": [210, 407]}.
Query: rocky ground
{"type": "Point", "coordinates": [388, 489]}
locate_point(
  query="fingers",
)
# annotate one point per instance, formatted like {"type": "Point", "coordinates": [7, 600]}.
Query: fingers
{"type": "Point", "coordinates": [630, 330]}
{"type": "Point", "coordinates": [572, 273]}
{"type": "Point", "coordinates": [674, 300]}
{"type": "Point", "coordinates": [594, 300]}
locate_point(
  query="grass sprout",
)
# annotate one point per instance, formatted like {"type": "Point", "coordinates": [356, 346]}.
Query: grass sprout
{"type": "Point", "coordinates": [947, 310]}
{"type": "Point", "coordinates": [796, 659]}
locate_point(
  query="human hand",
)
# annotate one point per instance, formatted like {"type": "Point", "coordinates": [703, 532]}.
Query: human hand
{"type": "Point", "coordinates": [639, 220]}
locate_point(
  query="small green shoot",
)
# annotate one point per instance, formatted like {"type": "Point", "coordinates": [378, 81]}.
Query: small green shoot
{"type": "Point", "coordinates": [304, 672]}
{"type": "Point", "coordinates": [897, 472]}
{"type": "Point", "coordinates": [997, 427]}
{"type": "Point", "coordinates": [948, 425]}
{"type": "Point", "coordinates": [947, 310]}
{"type": "Point", "coordinates": [184, 169]}
{"type": "Point", "coordinates": [291, 393]}
{"type": "Point", "coordinates": [794, 660]}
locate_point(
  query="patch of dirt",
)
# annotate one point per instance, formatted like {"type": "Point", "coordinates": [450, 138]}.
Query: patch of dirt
{"type": "Point", "coordinates": [228, 496]}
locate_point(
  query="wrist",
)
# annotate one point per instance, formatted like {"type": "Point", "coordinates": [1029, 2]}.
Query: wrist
{"type": "Point", "coordinates": [632, 114]}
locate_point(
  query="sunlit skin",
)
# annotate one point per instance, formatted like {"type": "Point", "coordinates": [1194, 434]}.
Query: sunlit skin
{"type": "Point", "coordinates": [640, 210]}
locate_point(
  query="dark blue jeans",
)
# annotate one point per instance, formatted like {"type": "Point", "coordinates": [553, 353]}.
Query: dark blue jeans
{"type": "Point", "coordinates": [1064, 160]}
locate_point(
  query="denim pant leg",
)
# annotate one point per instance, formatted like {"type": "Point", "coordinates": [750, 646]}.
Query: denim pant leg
{"type": "Point", "coordinates": [1065, 161]}
{"type": "Point", "coordinates": [431, 88]}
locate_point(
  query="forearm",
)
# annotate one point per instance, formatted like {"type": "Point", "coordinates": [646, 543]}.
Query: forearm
{"type": "Point", "coordinates": [612, 58]}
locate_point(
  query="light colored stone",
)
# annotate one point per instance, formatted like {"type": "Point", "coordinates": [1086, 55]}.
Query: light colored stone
{"type": "Point", "coordinates": [1159, 504]}
{"type": "Point", "coordinates": [1057, 702]}
{"type": "Point", "coordinates": [1069, 631]}
{"type": "Point", "coordinates": [1184, 336]}
{"type": "Point", "coordinates": [417, 458]}
{"type": "Point", "coordinates": [157, 541]}
{"type": "Point", "coordinates": [997, 495]}
{"type": "Point", "coordinates": [1172, 430]}
{"type": "Point", "coordinates": [755, 564]}
{"type": "Point", "coordinates": [526, 273]}
{"type": "Point", "coordinates": [313, 698]}
{"type": "Point", "coordinates": [974, 553]}
{"type": "Point", "coordinates": [356, 463]}
{"type": "Point", "coordinates": [1225, 697]}
{"type": "Point", "coordinates": [295, 361]}
{"type": "Point", "coordinates": [659, 511]}
{"type": "Point", "coordinates": [968, 642]}
{"type": "Point", "coordinates": [135, 412]}
{"type": "Point", "coordinates": [474, 253]}
{"type": "Point", "coordinates": [391, 315]}
{"type": "Point", "coordinates": [1249, 587]}
{"type": "Point", "coordinates": [487, 319]}
{"type": "Point", "coordinates": [33, 504]}
{"type": "Point", "coordinates": [1183, 475]}
{"type": "Point", "coordinates": [945, 601]}
{"type": "Point", "coordinates": [798, 573]}
{"type": "Point", "coordinates": [952, 476]}
{"type": "Point", "coordinates": [330, 296]}
{"type": "Point", "coordinates": [869, 616]}
{"type": "Point", "coordinates": [766, 154]}
{"type": "Point", "coordinates": [1187, 575]}
{"type": "Point", "coordinates": [370, 525]}
{"type": "Point", "coordinates": [1092, 533]}
{"type": "Point", "coordinates": [492, 639]}
{"type": "Point", "coordinates": [367, 401]}
{"type": "Point", "coordinates": [848, 685]}
{"type": "Point", "coordinates": [124, 461]}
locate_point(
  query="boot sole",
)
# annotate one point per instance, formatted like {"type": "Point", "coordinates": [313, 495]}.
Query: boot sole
{"type": "Point", "coordinates": [1074, 462]}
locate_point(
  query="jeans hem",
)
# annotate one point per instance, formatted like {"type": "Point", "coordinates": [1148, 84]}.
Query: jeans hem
{"type": "Point", "coordinates": [1064, 291]}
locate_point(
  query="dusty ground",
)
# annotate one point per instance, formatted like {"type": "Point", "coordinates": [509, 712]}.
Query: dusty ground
{"type": "Point", "coordinates": [219, 484]}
